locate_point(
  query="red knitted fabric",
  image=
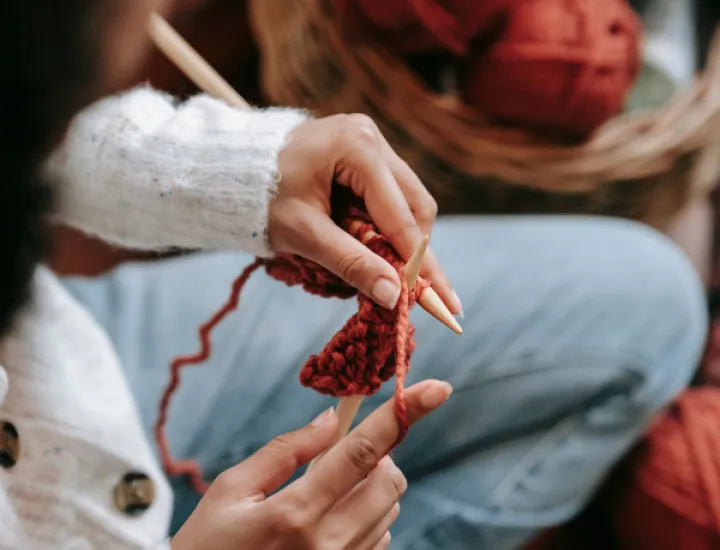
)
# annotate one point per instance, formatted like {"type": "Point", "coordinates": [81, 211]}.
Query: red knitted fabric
{"type": "Point", "coordinates": [559, 66]}
{"type": "Point", "coordinates": [374, 344]}
{"type": "Point", "coordinates": [673, 502]}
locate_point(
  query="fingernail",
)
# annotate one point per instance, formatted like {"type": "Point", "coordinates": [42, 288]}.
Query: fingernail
{"type": "Point", "coordinates": [435, 395]}
{"type": "Point", "coordinates": [385, 293]}
{"type": "Point", "coordinates": [322, 417]}
{"type": "Point", "coordinates": [458, 305]}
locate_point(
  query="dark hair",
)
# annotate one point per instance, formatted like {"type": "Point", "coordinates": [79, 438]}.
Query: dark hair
{"type": "Point", "coordinates": [48, 73]}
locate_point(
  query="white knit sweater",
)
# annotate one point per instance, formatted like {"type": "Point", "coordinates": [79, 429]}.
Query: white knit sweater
{"type": "Point", "coordinates": [141, 172]}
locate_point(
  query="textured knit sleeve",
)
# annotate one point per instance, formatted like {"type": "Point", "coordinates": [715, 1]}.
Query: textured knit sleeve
{"type": "Point", "coordinates": [139, 171]}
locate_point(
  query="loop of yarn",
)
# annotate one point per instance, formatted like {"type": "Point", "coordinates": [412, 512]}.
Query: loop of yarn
{"type": "Point", "coordinates": [373, 345]}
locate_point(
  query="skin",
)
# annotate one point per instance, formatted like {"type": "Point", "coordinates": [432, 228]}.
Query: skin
{"type": "Point", "coordinates": [347, 501]}
{"type": "Point", "coordinates": [350, 499]}
{"type": "Point", "coordinates": [126, 44]}
{"type": "Point", "coordinates": [349, 150]}
{"type": "Point", "coordinates": [345, 149]}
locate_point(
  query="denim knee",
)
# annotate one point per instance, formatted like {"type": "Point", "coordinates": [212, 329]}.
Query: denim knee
{"type": "Point", "coordinates": [585, 294]}
{"type": "Point", "coordinates": [560, 376]}
{"type": "Point", "coordinates": [658, 301]}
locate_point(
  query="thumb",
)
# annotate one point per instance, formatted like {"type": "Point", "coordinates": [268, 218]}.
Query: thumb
{"type": "Point", "coordinates": [349, 259]}
{"type": "Point", "coordinates": [266, 470]}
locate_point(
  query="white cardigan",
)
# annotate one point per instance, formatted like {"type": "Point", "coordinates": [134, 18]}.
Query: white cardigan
{"type": "Point", "coordinates": [144, 173]}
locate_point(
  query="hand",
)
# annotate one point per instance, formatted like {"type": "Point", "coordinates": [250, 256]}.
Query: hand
{"type": "Point", "coordinates": [351, 151]}
{"type": "Point", "coordinates": [348, 500]}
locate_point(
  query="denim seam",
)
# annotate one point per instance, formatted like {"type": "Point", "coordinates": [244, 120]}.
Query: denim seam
{"type": "Point", "coordinates": [518, 366]}
{"type": "Point", "coordinates": [559, 433]}
{"type": "Point", "coordinates": [537, 454]}
{"type": "Point", "coordinates": [422, 530]}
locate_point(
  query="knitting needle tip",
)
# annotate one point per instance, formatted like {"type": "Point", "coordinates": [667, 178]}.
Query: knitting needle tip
{"type": "Point", "coordinates": [429, 299]}
{"type": "Point", "coordinates": [431, 302]}
{"type": "Point", "coordinates": [414, 264]}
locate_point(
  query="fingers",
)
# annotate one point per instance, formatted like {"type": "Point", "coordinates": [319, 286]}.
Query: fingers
{"type": "Point", "coordinates": [373, 503]}
{"type": "Point", "coordinates": [384, 543]}
{"type": "Point", "coordinates": [349, 259]}
{"type": "Point", "coordinates": [351, 460]}
{"type": "Point", "coordinates": [424, 208]}
{"type": "Point", "coordinates": [363, 167]}
{"type": "Point", "coordinates": [379, 538]}
{"type": "Point", "coordinates": [397, 201]}
{"type": "Point", "coordinates": [421, 202]}
{"type": "Point", "coordinates": [271, 466]}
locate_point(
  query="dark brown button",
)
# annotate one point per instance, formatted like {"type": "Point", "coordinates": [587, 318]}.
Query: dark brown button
{"type": "Point", "coordinates": [9, 445]}
{"type": "Point", "coordinates": [134, 493]}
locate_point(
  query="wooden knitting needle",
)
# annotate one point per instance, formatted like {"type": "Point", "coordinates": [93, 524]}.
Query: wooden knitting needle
{"type": "Point", "coordinates": [348, 407]}
{"type": "Point", "coordinates": [188, 60]}
{"type": "Point", "coordinates": [429, 299]}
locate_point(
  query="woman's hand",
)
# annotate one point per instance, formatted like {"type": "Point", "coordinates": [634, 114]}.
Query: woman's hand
{"type": "Point", "coordinates": [351, 151]}
{"type": "Point", "coordinates": [347, 501]}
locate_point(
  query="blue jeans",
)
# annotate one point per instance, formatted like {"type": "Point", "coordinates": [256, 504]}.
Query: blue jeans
{"type": "Point", "coordinates": [577, 332]}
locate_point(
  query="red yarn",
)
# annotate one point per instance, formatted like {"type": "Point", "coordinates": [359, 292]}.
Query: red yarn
{"type": "Point", "coordinates": [673, 501]}
{"type": "Point", "coordinates": [563, 66]}
{"type": "Point", "coordinates": [417, 26]}
{"type": "Point", "coordinates": [375, 343]}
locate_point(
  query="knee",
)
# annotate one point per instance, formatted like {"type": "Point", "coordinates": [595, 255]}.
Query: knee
{"type": "Point", "coordinates": [650, 306]}
{"type": "Point", "coordinates": [606, 305]}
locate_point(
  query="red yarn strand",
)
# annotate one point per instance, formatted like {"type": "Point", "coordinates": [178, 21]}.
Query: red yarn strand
{"type": "Point", "coordinates": [403, 361]}
{"type": "Point", "coordinates": [190, 467]}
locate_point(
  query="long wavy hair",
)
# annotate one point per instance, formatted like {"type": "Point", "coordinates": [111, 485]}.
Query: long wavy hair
{"type": "Point", "coordinates": [49, 69]}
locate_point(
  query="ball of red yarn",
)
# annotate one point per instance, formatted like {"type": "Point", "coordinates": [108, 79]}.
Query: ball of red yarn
{"type": "Point", "coordinates": [559, 66]}
{"type": "Point", "coordinates": [673, 498]}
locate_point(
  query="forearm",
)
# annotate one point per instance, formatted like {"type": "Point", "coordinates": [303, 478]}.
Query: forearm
{"type": "Point", "coordinates": [140, 172]}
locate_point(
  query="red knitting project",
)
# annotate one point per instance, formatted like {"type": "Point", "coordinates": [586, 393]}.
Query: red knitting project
{"type": "Point", "coordinates": [375, 343]}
